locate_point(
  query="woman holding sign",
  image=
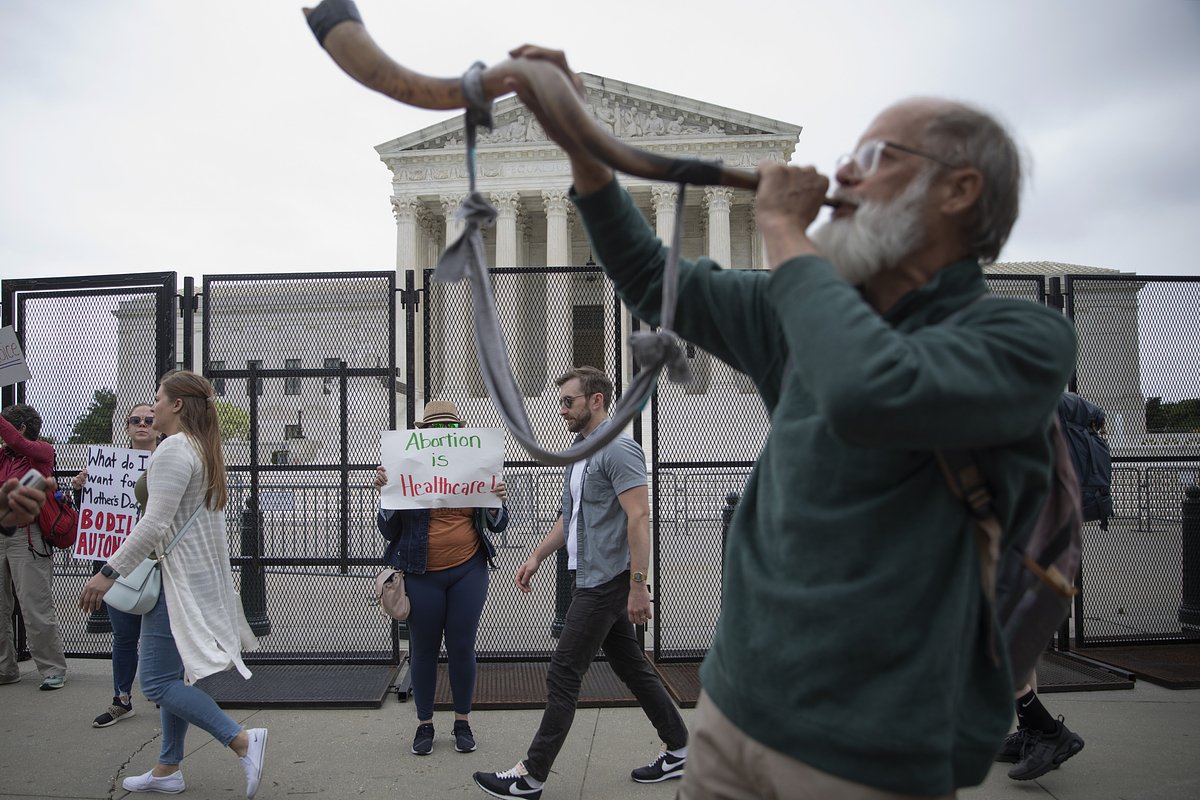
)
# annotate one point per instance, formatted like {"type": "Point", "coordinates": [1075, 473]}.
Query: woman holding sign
{"type": "Point", "coordinates": [126, 628]}
{"type": "Point", "coordinates": [197, 627]}
{"type": "Point", "coordinates": [444, 554]}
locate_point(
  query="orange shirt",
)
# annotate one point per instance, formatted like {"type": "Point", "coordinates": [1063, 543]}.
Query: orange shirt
{"type": "Point", "coordinates": [452, 537]}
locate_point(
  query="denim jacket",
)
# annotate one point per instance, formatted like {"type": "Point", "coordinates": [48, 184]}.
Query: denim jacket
{"type": "Point", "coordinates": [407, 534]}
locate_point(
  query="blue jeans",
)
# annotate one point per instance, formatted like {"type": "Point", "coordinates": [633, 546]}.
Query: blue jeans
{"type": "Point", "coordinates": [162, 682]}
{"type": "Point", "coordinates": [598, 618]}
{"type": "Point", "coordinates": [126, 628]}
{"type": "Point", "coordinates": [445, 602]}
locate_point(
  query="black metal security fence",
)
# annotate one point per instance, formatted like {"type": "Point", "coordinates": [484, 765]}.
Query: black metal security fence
{"type": "Point", "coordinates": [94, 342]}
{"type": "Point", "coordinates": [307, 366]}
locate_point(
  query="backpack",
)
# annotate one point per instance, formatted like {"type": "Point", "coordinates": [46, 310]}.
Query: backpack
{"type": "Point", "coordinates": [1031, 584]}
{"type": "Point", "coordinates": [1082, 425]}
{"type": "Point", "coordinates": [59, 521]}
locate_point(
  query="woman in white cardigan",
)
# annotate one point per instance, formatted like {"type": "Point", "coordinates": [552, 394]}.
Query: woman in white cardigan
{"type": "Point", "coordinates": [197, 628]}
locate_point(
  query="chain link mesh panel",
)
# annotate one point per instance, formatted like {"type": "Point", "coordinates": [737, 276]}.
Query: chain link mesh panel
{"type": "Point", "coordinates": [304, 370]}
{"type": "Point", "coordinates": [545, 333]}
{"type": "Point", "coordinates": [95, 347]}
{"type": "Point", "coordinates": [1139, 360]}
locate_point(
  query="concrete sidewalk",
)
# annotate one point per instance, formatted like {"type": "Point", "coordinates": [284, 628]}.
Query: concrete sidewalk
{"type": "Point", "coordinates": [1142, 744]}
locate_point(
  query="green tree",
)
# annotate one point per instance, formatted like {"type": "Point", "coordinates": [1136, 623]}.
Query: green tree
{"type": "Point", "coordinates": [94, 426]}
{"type": "Point", "coordinates": [233, 421]}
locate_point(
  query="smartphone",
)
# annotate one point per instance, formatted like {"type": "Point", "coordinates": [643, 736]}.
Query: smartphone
{"type": "Point", "coordinates": [33, 478]}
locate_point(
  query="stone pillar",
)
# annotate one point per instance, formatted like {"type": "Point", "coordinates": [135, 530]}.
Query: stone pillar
{"type": "Point", "coordinates": [454, 226]}
{"type": "Point", "coordinates": [451, 326]}
{"type": "Point", "coordinates": [664, 195]}
{"type": "Point", "coordinates": [508, 207]}
{"type": "Point", "coordinates": [406, 209]}
{"type": "Point", "coordinates": [559, 289]}
{"type": "Point", "coordinates": [718, 200]}
{"type": "Point", "coordinates": [758, 246]}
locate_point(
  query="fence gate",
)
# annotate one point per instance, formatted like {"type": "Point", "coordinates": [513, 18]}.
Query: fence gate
{"type": "Point", "coordinates": [1137, 356]}
{"type": "Point", "coordinates": [303, 367]}
{"type": "Point", "coordinates": [95, 346]}
{"type": "Point", "coordinates": [552, 318]}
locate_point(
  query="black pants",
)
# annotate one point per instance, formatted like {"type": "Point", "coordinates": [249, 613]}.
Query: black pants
{"type": "Point", "coordinates": [598, 618]}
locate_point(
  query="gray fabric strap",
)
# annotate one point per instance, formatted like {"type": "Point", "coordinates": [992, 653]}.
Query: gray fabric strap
{"type": "Point", "coordinates": [464, 258]}
{"type": "Point", "coordinates": [182, 531]}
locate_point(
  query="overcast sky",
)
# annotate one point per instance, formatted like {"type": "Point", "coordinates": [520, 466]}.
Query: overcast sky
{"type": "Point", "coordinates": [217, 137]}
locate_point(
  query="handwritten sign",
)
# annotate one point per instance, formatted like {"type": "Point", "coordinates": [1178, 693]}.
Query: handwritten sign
{"type": "Point", "coordinates": [108, 509]}
{"type": "Point", "coordinates": [442, 467]}
{"type": "Point", "coordinates": [13, 368]}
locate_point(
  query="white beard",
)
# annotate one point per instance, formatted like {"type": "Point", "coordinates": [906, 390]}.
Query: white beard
{"type": "Point", "coordinates": [877, 236]}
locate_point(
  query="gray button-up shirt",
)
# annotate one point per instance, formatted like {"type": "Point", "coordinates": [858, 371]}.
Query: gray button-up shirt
{"type": "Point", "coordinates": [603, 526]}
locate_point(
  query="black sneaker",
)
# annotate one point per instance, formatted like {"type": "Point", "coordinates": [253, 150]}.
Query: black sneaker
{"type": "Point", "coordinates": [513, 783]}
{"type": "Point", "coordinates": [464, 740]}
{"type": "Point", "coordinates": [423, 741]}
{"type": "Point", "coordinates": [116, 712]}
{"type": "Point", "coordinates": [1045, 751]}
{"type": "Point", "coordinates": [1014, 744]}
{"type": "Point", "coordinates": [663, 768]}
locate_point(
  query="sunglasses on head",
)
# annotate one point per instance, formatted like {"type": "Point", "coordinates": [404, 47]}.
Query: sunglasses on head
{"type": "Point", "coordinates": [139, 420]}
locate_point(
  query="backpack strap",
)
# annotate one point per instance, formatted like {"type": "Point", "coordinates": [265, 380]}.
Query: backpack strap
{"type": "Point", "coordinates": [967, 483]}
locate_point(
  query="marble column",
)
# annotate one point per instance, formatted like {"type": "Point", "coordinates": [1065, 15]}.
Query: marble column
{"type": "Point", "coordinates": [559, 348]}
{"type": "Point", "coordinates": [452, 328]}
{"type": "Point", "coordinates": [406, 209]}
{"type": "Point", "coordinates": [664, 197]}
{"type": "Point", "coordinates": [718, 199]}
{"type": "Point", "coordinates": [508, 207]}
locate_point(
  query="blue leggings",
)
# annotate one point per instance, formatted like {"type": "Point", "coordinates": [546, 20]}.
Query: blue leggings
{"type": "Point", "coordinates": [446, 603]}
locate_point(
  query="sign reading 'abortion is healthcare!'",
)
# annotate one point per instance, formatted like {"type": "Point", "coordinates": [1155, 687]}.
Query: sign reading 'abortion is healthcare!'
{"type": "Point", "coordinates": [442, 467]}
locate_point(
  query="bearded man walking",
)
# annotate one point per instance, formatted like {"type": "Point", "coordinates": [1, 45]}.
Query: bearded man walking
{"type": "Point", "coordinates": [855, 654]}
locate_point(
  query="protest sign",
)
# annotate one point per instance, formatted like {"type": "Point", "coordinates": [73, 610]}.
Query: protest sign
{"type": "Point", "coordinates": [108, 509]}
{"type": "Point", "coordinates": [442, 467]}
{"type": "Point", "coordinates": [13, 368]}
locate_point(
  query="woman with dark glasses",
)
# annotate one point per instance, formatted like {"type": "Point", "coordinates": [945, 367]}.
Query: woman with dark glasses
{"type": "Point", "coordinates": [126, 628]}
{"type": "Point", "coordinates": [444, 554]}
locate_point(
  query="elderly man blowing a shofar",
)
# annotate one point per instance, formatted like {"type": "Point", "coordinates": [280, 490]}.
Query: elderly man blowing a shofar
{"type": "Point", "coordinates": [853, 658]}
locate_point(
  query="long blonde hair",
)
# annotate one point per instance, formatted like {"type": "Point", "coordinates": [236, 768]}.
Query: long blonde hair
{"type": "Point", "coordinates": [198, 420]}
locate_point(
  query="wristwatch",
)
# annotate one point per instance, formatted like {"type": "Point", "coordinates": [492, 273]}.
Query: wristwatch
{"type": "Point", "coordinates": [638, 577]}
{"type": "Point", "coordinates": [109, 572]}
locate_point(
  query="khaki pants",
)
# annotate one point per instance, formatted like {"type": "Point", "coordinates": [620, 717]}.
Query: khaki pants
{"type": "Point", "coordinates": [30, 577]}
{"type": "Point", "coordinates": [725, 764]}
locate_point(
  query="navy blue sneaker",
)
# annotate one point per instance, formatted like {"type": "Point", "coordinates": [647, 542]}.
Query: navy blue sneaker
{"type": "Point", "coordinates": [423, 741]}
{"type": "Point", "coordinates": [464, 739]}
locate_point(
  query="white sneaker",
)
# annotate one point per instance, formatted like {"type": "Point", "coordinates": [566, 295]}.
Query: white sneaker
{"type": "Point", "coordinates": [170, 784]}
{"type": "Point", "coordinates": [253, 760]}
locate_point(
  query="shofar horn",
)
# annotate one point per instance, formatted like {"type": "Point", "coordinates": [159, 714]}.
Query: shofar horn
{"type": "Point", "coordinates": [339, 28]}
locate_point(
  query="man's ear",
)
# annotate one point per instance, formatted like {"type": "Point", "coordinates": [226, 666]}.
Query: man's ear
{"type": "Point", "coordinates": [960, 190]}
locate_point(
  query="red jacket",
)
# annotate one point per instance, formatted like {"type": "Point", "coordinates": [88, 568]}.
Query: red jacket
{"type": "Point", "coordinates": [21, 454]}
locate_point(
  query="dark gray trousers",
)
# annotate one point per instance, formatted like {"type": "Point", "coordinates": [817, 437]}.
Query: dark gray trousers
{"type": "Point", "coordinates": [598, 619]}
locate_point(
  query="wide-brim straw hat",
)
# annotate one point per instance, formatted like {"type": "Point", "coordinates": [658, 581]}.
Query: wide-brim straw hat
{"type": "Point", "coordinates": [439, 411]}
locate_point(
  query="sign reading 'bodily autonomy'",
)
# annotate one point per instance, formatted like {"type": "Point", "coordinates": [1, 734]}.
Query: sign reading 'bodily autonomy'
{"type": "Point", "coordinates": [442, 467]}
{"type": "Point", "coordinates": [108, 509]}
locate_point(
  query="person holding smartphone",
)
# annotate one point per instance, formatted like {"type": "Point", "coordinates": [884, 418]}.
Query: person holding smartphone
{"type": "Point", "coordinates": [22, 555]}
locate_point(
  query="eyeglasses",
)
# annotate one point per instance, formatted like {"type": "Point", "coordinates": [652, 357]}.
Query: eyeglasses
{"type": "Point", "coordinates": [139, 420]}
{"type": "Point", "coordinates": [566, 401]}
{"type": "Point", "coordinates": [443, 425]}
{"type": "Point", "coordinates": [867, 157]}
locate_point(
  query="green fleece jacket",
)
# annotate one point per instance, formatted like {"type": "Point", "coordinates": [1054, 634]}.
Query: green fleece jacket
{"type": "Point", "coordinates": [853, 634]}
